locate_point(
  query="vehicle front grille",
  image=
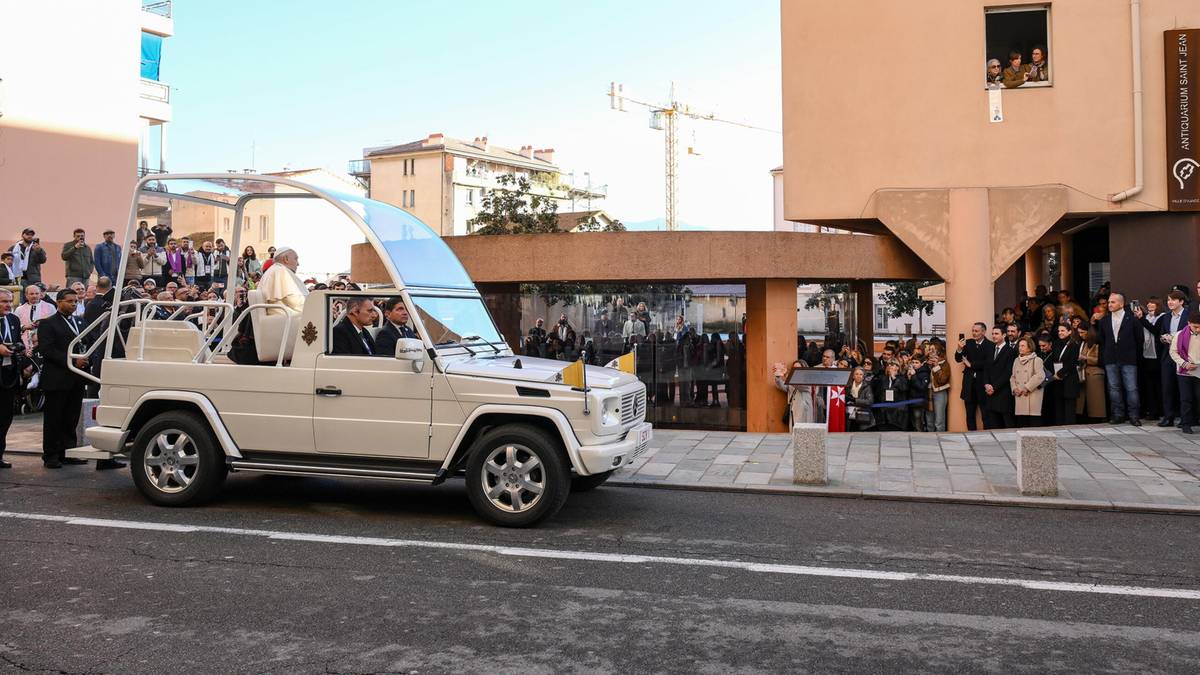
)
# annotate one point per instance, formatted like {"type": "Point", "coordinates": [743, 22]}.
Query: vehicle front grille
{"type": "Point", "coordinates": [633, 406]}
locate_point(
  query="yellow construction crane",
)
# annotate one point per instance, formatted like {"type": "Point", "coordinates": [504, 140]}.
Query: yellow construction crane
{"type": "Point", "coordinates": [665, 117]}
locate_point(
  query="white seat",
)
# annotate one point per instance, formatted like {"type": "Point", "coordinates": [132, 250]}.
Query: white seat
{"type": "Point", "coordinates": [165, 340]}
{"type": "Point", "coordinates": [374, 331]}
{"type": "Point", "coordinates": [269, 324]}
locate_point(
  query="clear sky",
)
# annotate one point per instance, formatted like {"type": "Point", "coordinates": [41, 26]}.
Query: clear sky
{"type": "Point", "coordinates": [311, 83]}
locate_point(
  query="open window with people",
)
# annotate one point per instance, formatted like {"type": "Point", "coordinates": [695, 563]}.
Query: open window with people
{"type": "Point", "coordinates": [1017, 40]}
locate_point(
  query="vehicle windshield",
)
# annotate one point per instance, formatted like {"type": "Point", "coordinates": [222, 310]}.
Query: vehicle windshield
{"type": "Point", "coordinates": [451, 320]}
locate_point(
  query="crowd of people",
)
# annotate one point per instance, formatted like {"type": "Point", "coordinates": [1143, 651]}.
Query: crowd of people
{"type": "Point", "coordinates": [35, 321]}
{"type": "Point", "coordinates": [1017, 73]}
{"type": "Point", "coordinates": [680, 366]}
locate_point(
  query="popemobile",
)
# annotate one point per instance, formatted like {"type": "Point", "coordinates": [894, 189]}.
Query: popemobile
{"type": "Point", "coordinates": [522, 432]}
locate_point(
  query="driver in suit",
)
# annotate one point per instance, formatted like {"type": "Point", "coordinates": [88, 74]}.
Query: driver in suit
{"type": "Point", "coordinates": [350, 336]}
{"type": "Point", "coordinates": [395, 327]}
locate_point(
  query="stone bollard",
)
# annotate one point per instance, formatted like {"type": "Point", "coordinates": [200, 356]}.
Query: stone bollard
{"type": "Point", "coordinates": [808, 454]}
{"type": "Point", "coordinates": [1037, 463]}
{"type": "Point", "coordinates": [85, 421]}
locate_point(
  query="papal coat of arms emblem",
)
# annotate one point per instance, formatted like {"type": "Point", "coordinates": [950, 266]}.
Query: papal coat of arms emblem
{"type": "Point", "coordinates": [309, 334]}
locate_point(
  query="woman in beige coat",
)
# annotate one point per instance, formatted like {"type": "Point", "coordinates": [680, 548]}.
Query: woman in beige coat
{"type": "Point", "coordinates": [1091, 402]}
{"type": "Point", "coordinates": [1028, 374]}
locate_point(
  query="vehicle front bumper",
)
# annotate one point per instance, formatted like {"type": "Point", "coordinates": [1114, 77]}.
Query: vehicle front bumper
{"type": "Point", "coordinates": [609, 456]}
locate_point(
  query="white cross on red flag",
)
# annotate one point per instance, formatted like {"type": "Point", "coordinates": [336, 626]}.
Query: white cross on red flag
{"type": "Point", "coordinates": [837, 409]}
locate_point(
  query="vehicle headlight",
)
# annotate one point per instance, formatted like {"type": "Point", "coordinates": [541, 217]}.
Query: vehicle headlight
{"type": "Point", "coordinates": [610, 412]}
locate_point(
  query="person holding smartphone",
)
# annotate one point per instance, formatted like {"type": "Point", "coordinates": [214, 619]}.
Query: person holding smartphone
{"type": "Point", "coordinates": [78, 257]}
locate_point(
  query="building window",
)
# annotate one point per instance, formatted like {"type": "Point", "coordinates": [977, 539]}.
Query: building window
{"type": "Point", "coordinates": [405, 164]}
{"type": "Point", "coordinates": [225, 226]}
{"type": "Point", "coordinates": [262, 228]}
{"type": "Point", "coordinates": [470, 196]}
{"type": "Point", "coordinates": [246, 223]}
{"type": "Point", "coordinates": [412, 167]}
{"type": "Point", "coordinates": [1017, 39]}
{"type": "Point", "coordinates": [404, 199]}
{"type": "Point", "coordinates": [412, 198]}
{"type": "Point", "coordinates": [881, 317]}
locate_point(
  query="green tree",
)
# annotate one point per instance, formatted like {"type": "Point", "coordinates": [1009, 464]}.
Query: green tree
{"type": "Point", "coordinates": [589, 223]}
{"type": "Point", "coordinates": [901, 298]}
{"type": "Point", "coordinates": [513, 209]}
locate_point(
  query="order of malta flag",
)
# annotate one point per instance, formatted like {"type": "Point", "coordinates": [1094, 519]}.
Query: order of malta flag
{"type": "Point", "coordinates": [837, 409]}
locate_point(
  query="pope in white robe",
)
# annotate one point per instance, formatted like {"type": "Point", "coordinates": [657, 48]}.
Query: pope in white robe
{"type": "Point", "coordinates": [280, 285]}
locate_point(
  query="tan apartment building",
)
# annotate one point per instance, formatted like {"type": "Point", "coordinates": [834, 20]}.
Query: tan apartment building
{"type": "Point", "coordinates": [1081, 172]}
{"type": "Point", "coordinates": [76, 133]}
{"type": "Point", "coordinates": [443, 180]}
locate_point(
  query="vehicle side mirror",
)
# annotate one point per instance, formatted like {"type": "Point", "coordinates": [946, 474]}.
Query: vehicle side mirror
{"type": "Point", "coordinates": [410, 349]}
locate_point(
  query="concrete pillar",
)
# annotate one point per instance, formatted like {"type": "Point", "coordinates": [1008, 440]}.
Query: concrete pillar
{"type": "Point", "coordinates": [162, 147]}
{"type": "Point", "coordinates": [1033, 270]}
{"type": "Point", "coordinates": [144, 149]}
{"type": "Point", "coordinates": [969, 287]}
{"type": "Point", "coordinates": [770, 339]}
{"type": "Point", "coordinates": [1037, 463]}
{"type": "Point", "coordinates": [1066, 264]}
{"type": "Point", "coordinates": [865, 312]}
{"type": "Point", "coordinates": [808, 454]}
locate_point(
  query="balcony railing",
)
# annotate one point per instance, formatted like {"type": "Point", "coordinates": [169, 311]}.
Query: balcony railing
{"type": "Point", "coordinates": [359, 167]}
{"type": "Point", "coordinates": [159, 7]}
{"type": "Point", "coordinates": [155, 91]}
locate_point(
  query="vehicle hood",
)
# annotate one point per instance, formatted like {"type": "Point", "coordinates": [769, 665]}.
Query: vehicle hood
{"type": "Point", "coordinates": [542, 371]}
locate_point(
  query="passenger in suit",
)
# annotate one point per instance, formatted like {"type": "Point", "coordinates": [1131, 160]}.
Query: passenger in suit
{"type": "Point", "coordinates": [1120, 336]}
{"type": "Point", "coordinates": [997, 382]}
{"type": "Point", "coordinates": [63, 388]}
{"type": "Point", "coordinates": [395, 327]}
{"type": "Point", "coordinates": [1162, 328]}
{"type": "Point", "coordinates": [10, 370]}
{"type": "Point", "coordinates": [350, 336]}
{"type": "Point", "coordinates": [972, 354]}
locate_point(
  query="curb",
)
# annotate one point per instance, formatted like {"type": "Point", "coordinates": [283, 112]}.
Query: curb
{"type": "Point", "coordinates": [984, 500]}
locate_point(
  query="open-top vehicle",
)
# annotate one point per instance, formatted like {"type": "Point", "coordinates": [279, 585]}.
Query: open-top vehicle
{"type": "Point", "coordinates": [454, 402]}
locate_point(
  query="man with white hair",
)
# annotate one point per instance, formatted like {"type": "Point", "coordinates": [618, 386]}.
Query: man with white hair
{"type": "Point", "coordinates": [280, 285]}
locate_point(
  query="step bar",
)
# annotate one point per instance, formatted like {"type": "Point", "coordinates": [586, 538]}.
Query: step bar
{"type": "Point", "coordinates": [285, 468]}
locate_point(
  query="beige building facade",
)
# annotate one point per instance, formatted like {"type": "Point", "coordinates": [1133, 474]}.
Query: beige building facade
{"type": "Point", "coordinates": [443, 180]}
{"type": "Point", "coordinates": [890, 126]}
{"type": "Point", "coordinates": [72, 130]}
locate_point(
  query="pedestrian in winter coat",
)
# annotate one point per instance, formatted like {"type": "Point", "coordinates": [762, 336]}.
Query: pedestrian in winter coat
{"type": "Point", "coordinates": [1028, 374]}
{"type": "Point", "coordinates": [78, 257]}
{"type": "Point", "coordinates": [107, 256]}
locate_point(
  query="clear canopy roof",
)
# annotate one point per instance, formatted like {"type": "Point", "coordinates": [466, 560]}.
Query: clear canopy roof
{"type": "Point", "coordinates": [419, 255]}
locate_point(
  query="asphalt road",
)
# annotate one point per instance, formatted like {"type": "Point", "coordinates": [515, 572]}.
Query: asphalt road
{"type": "Point", "coordinates": [309, 575]}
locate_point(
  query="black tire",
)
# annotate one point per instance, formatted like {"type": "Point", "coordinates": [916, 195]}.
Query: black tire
{"type": "Point", "coordinates": [550, 474]}
{"type": "Point", "coordinates": [203, 476]}
{"type": "Point", "coordinates": [585, 483]}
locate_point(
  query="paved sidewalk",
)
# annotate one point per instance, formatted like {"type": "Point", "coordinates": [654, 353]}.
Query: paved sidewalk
{"type": "Point", "coordinates": [1099, 467]}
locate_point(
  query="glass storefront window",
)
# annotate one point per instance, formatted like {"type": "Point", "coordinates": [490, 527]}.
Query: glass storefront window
{"type": "Point", "coordinates": [689, 340]}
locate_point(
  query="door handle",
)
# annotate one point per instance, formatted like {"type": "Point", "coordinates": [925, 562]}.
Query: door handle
{"type": "Point", "coordinates": [328, 391]}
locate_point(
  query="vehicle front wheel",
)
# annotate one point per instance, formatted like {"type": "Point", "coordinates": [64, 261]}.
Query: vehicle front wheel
{"type": "Point", "coordinates": [516, 476]}
{"type": "Point", "coordinates": [585, 483]}
{"type": "Point", "coordinates": [176, 462]}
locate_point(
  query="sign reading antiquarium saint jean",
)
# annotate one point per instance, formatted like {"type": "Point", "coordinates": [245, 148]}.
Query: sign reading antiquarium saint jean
{"type": "Point", "coordinates": [1182, 61]}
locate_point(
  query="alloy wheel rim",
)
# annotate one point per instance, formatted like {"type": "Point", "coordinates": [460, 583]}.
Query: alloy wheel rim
{"type": "Point", "coordinates": [171, 461]}
{"type": "Point", "coordinates": [513, 478]}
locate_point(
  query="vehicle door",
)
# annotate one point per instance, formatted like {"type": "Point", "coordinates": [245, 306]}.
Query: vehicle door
{"type": "Point", "coordinates": [369, 404]}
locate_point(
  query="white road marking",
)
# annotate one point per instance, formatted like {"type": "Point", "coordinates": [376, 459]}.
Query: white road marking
{"type": "Point", "coordinates": [558, 554]}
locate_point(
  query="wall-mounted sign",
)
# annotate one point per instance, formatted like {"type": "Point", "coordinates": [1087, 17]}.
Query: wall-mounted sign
{"type": "Point", "coordinates": [995, 106]}
{"type": "Point", "coordinates": [1182, 65]}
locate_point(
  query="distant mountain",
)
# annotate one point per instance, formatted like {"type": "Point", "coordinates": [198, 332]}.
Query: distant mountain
{"type": "Point", "coordinates": [657, 224]}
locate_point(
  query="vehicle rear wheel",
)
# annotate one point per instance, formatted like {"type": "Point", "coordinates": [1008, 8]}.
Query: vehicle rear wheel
{"type": "Point", "coordinates": [176, 461]}
{"type": "Point", "coordinates": [516, 476]}
{"type": "Point", "coordinates": [585, 483]}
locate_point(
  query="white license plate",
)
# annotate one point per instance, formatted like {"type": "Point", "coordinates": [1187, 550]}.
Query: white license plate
{"type": "Point", "coordinates": [644, 434]}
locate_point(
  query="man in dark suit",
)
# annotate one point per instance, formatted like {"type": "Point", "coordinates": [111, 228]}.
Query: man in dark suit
{"type": "Point", "coordinates": [997, 382]}
{"type": "Point", "coordinates": [8, 275]}
{"type": "Point", "coordinates": [395, 327]}
{"type": "Point", "coordinates": [565, 333]}
{"type": "Point", "coordinates": [350, 336]}
{"type": "Point", "coordinates": [63, 388]}
{"type": "Point", "coordinates": [972, 354]}
{"type": "Point", "coordinates": [1120, 337]}
{"type": "Point", "coordinates": [10, 369]}
{"type": "Point", "coordinates": [1164, 326]}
